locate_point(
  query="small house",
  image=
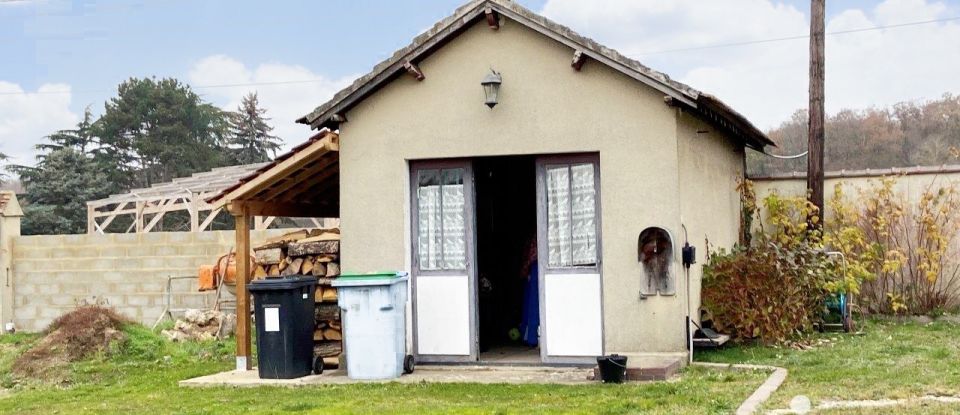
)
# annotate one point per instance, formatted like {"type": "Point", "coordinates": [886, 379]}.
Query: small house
{"type": "Point", "coordinates": [537, 186]}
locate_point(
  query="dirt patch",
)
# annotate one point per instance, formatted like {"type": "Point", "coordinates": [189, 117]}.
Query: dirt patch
{"type": "Point", "coordinates": [74, 336]}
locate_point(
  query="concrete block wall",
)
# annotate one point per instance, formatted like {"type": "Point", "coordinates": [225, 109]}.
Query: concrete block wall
{"type": "Point", "coordinates": [55, 274]}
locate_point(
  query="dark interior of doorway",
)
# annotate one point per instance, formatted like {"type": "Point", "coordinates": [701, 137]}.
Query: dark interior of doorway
{"type": "Point", "coordinates": [506, 209]}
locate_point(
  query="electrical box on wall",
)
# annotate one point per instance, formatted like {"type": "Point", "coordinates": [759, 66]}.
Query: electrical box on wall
{"type": "Point", "coordinates": [655, 254]}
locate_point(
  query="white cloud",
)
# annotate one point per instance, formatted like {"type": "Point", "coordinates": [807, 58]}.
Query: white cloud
{"type": "Point", "coordinates": [768, 82]}
{"type": "Point", "coordinates": [284, 102]}
{"type": "Point", "coordinates": [27, 117]}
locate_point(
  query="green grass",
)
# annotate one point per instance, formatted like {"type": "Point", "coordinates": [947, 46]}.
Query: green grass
{"type": "Point", "coordinates": [888, 361]}
{"type": "Point", "coordinates": [141, 377]}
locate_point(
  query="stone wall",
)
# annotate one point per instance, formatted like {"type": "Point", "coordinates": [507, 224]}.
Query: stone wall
{"type": "Point", "coordinates": [54, 274]}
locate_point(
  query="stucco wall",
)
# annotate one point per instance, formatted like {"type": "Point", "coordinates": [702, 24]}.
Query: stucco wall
{"type": "Point", "coordinates": [546, 107]}
{"type": "Point", "coordinates": [910, 185]}
{"type": "Point", "coordinates": [710, 168]}
{"type": "Point", "coordinates": [54, 274]}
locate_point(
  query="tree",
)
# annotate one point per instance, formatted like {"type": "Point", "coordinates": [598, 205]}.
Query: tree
{"type": "Point", "coordinates": [157, 130]}
{"type": "Point", "coordinates": [57, 190]}
{"type": "Point", "coordinates": [3, 177]}
{"type": "Point", "coordinates": [249, 135]}
{"type": "Point", "coordinates": [904, 135]}
{"type": "Point", "coordinates": [80, 138]}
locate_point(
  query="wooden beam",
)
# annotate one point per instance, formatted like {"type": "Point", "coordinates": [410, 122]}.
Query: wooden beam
{"type": "Point", "coordinates": [111, 216]}
{"type": "Point", "coordinates": [296, 179]}
{"type": "Point", "coordinates": [578, 59]}
{"type": "Point", "coordinates": [307, 186]}
{"type": "Point", "coordinates": [242, 225]}
{"type": "Point", "coordinates": [194, 212]}
{"type": "Point", "coordinates": [414, 70]}
{"type": "Point", "coordinates": [210, 218]}
{"type": "Point", "coordinates": [288, 209]}
{"type": "Point", "coordinates": [163, 209]}
{"type": "Point", "coordinates": [138, 220]}
{"type": "Point", "coordinates": [493, 18]}
{"type": "Point", "coordinates": [282, 170]}
{"type": "Point", "coordinates": [268, 221]}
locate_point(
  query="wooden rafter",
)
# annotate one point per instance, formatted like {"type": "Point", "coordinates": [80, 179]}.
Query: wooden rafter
{"type": "Point", "coordinates": [493, 18]}
{"type": "Point", "coordinates": [578, 59]}
{"type": "Point", "coordinates": [414, 70]}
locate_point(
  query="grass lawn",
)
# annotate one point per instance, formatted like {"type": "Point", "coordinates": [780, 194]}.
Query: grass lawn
{"type": "Point", "coordinates": [889, 361]}
{"type": "Point", "coordinates": [138, 379]}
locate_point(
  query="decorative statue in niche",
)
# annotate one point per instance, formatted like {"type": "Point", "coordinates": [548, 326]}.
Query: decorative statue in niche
{"type": "Point", "coordinates": [655, 254]}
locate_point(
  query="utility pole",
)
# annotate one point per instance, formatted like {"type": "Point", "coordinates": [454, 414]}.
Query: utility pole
{"type": "Point", "coordinates": [816, 111]}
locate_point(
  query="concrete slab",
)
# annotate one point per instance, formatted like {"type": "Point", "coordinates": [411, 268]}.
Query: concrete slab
{"type": "Point", "coordinates": [423, 373]}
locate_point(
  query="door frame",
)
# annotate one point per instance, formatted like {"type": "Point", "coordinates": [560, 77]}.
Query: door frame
{"type": "Point", "coordinates": [470, 238]}
{"type": "Point", "coordinates": [541, 163]}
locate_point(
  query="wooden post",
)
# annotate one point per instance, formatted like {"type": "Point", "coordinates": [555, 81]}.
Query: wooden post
{"type": "Point", "coordinates": [242, 221]}
{"type": "Point", "coordinates": [194, 212]}
{"type": "Point", "coordinates": [815, 139]}
{"type": "Point", "coordinates": [91, 220]}
{"type": "Point", "coordinates": [141, 205]}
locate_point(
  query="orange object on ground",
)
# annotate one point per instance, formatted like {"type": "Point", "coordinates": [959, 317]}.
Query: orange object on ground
{"type": "Point", "coordinates": [208, 280]}
{"type": "Point", "coordinates": [225, 267]}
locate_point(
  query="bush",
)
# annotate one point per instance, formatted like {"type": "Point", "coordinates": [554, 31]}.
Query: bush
{"type": "Point", "coordinates": [765, 292]}
{"type": "Point", "coordinates": [898, 248]}
{"type": "Point", "coordinates": [773, 288]}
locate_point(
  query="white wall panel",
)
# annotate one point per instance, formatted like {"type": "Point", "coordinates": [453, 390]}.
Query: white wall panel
{"type": "Point", "coordinates": [443, 315]}
{"type": "Point", "coordinates": [573, 315]}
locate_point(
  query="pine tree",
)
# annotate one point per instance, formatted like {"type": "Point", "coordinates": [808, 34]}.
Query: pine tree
{"type": "Point", "coordinates": [57, 191]}
{"type": "Point", "coordinates": [158, 130]}
{"type": "Point", "coordinates": [3, 177]}
{"type": "Point", "coordinates": [81, 138]}
{"type": "Point", "coordinates": [249, 135]}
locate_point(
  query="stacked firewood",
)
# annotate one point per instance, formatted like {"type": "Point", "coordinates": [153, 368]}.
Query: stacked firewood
{"type": "Point", "coordinates": [309, 252]}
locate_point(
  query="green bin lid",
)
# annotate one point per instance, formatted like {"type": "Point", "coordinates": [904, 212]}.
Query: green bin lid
{"type": "Point", "coordinates": [379, 275]}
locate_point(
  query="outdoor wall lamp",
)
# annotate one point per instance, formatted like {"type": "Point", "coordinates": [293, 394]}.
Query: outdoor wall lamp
{"type": "Point", "coordinates": [491, 88]}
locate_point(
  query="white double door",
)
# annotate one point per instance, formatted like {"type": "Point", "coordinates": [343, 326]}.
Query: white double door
{"type": "Point", "coordinates": [444, 260]}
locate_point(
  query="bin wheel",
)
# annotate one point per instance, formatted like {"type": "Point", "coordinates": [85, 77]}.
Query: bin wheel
{"type": "Point", "coordinates": [409, 364]}
{"type": "Point", "coordinates": [318, 365]}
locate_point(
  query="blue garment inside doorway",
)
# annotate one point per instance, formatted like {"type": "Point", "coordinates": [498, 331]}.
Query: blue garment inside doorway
{"type": "Point", "coordinates": [530, 319]}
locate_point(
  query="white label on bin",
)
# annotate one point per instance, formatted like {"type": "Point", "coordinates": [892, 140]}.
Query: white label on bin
{"type": "Point", "coordinates": [304, 296]}
{"type": "Point", "coordinates": [271, 319]}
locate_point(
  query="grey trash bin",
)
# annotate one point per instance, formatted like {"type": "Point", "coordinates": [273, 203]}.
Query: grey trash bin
{"type": "Point", "coordinates": [373, 310]}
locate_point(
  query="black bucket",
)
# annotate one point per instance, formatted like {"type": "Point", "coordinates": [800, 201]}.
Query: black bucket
{"type": "Point", "coordinates": [613, 368]}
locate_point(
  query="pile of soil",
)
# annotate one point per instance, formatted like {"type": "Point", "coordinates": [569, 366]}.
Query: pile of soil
{"type": "Point", "coordinates": [72, 337]}
{"type": "Point", "coordinates": [202, 325]}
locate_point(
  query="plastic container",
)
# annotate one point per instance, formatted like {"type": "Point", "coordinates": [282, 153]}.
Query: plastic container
{"type": "Point", "coordinates": [373, 309]}
{"type": "Point", "coordinates": [283, 309]}
{"type": "Point", "coordinates": [613, 368]}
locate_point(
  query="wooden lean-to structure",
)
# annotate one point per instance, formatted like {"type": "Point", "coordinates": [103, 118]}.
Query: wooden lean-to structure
{"type": "Point", "coordinates": [304, 182]}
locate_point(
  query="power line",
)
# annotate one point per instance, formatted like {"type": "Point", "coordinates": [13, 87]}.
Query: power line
{"type": "Point", "coordinates": [797, 37]}
{"type": "Point", "coordinates": [717, 46]}
{"type": "Point", "coordinates": [305, 81]}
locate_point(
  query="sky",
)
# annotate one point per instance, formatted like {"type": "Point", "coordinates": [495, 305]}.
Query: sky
{"type": "Point", "coordinates": [58, 57]}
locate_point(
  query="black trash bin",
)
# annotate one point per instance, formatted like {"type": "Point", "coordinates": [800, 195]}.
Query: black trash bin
{"type": "Point", "coordinates": [283, 309]}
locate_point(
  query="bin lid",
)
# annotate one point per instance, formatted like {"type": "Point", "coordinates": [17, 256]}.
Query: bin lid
{"type": "Point", "coordinates": [371, 278]}
{"type": "Point", "coordinates": [279, 284]}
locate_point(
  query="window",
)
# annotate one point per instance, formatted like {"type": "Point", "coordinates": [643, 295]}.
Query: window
{"type": "Point", "coordinates": [442, 232]}
{"type": "Point", "coordinates": [571, 215]}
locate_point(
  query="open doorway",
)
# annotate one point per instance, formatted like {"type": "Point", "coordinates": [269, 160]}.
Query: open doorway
{"type": "Point", "coordinates": [506, 214]}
